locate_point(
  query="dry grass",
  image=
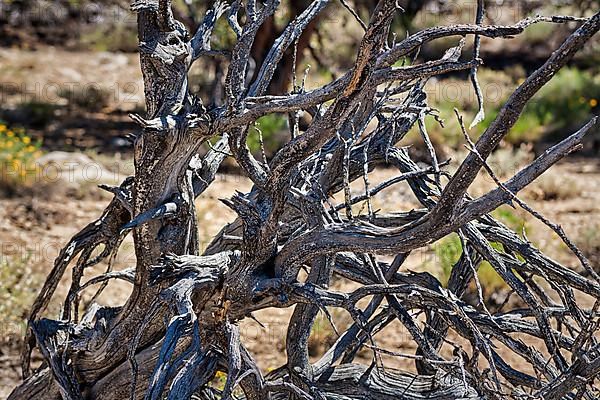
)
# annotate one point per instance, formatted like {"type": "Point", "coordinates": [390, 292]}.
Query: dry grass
{"type": "Point", "coordinates": [588, 242]}
{"type": "Point", "coordinates": [18, 286]}
{"type": "Point", "coordinates": [553, 187]}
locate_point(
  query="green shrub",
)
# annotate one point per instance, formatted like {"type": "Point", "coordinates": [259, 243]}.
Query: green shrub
{"type": "Point", "coordinates": [272, 127]}
{"type": "Point", "coordinates": [537, 34]}
{"type": "Point", "coordinates": [490, 280]}
{"type": "Point", "coordinates": [322, 335]}
{"type": "Point", "coordinates": [449, 250]}
{"type": "Point", "coordinates": [564, 103]}
{"type": "Point", "coordinates": [509, 216]}
{"type": "Point", "coordinates": [567, 99]}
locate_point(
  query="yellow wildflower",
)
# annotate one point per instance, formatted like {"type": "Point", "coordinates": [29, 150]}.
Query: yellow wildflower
{"type": "Point", "coordinates": [220, 375]}
{"type": "Point", "coordinates": [593, 102]}
{"type": "Point", "coordinates": [26, 139]}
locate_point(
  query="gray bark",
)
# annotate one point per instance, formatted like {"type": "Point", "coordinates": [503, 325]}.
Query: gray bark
{"type": "Point", "coordinates": [180, 325]}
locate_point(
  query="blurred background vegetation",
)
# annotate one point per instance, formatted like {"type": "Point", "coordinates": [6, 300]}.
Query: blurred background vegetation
{"type": "Point", "coordinates": [93, 27]}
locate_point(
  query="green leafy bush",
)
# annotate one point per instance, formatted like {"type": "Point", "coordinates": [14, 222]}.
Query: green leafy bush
{"type": "Point", "coordinates": [566, 100]}
{"type": "Point", "coordinates": [447, 253]}
{"type": "Point", "coordinates": [563, 103]}
{"type": "Point", "coordinates": [510, 217]}
{"type": "Point", "coordinates": [449, 250]}
{"type": "Point", "coordinates": [272, 127]}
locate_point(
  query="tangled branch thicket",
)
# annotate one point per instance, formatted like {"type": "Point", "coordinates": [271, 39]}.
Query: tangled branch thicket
{"type": "Point", "coordinates": [180, 324]}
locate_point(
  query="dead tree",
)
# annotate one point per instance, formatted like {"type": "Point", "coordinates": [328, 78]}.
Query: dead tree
{"type": "Point", "coordinates": [180, 325]}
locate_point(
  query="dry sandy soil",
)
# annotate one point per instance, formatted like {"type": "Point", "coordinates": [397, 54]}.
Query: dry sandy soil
{"type": "Point", "coordinates": [38, 224]}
